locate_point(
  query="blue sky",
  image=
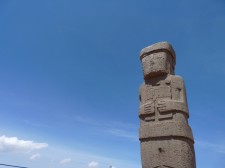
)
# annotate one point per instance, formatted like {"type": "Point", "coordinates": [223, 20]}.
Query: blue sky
{"type": "Point", "coordinates": [70, 74]}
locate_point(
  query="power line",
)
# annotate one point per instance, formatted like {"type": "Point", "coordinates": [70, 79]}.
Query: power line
{"type": "Point", "coordinates": [12, 166]}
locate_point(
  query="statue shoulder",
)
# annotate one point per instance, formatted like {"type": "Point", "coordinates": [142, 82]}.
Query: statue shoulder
{"type": "Point", "coordinates": [141, 87]}
{"type": "Point", "coordinates": [177, 80]}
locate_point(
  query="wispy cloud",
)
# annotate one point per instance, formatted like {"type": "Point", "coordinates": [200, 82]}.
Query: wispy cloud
{"type": "Point", "coordinates": [216, 147]}
{"type": "Point", "coordinates": [123, 133]}
{"type": "Point", "coordinates": [54, 156]}
{"type": "Point", "coordinates": [112, 166]}
{"type": "Point", "coordinates": [35, 156]}
{"type": "Point", "coordinates": [65, 161]}
{"type": "Point", "coordinates": [94, 122]}
{"type": "Point", "coordinates": [93, 164]}
{"type": "Point", "coordinates": [115, 128]}
{"type": "Point", "coordinates": [13, 144]}
{"type": "Point", "coordinates": [124, 125]}
{"type": "Point", "coordinates": [35, 124]}
{"type": "Point", "coordinates": [85, 120]}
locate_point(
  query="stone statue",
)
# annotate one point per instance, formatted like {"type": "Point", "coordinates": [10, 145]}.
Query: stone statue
{"type": "Point", "coordinates": [165, 136]}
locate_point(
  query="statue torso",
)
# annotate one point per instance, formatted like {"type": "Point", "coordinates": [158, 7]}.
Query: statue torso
{"type": "Point", "coordinates": [153, 92]}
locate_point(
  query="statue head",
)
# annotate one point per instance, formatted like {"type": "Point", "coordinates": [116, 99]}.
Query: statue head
{"type": "Point", "coordinates": [158, 59]}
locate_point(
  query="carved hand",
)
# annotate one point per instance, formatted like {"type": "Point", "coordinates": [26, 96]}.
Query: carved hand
{"type": "Point", "coordinates": [164, 105]}
{"type": "Point", "coordinates": [149, 108]}
{"type": "Point", "coordinates": [168, 105]}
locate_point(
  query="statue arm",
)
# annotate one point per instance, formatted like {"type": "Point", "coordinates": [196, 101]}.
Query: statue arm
{"type": "Point", "coordinates": [172, 105]}
{"type": "Point", "coordinates": [147, 109]}
{"type": "Point", "coordinates": [179, 100]}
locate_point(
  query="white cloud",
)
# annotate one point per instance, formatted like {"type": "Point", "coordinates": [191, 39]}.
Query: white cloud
{"type": "Point", "coordinates": [66, 160]}
{"type": "Point", "coordinates": [93, 164]}
{"type": "Point", "coordinates": [13, 144]}
{"type": "Point", "coordinates": [35, 156]}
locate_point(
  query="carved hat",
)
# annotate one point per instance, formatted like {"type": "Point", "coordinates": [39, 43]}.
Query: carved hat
{"type": "Point", "coordinates": [158, 47]}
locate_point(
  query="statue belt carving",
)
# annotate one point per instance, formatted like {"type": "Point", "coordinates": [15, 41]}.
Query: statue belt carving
{"type": "Point", "coordinates": [165, 129]}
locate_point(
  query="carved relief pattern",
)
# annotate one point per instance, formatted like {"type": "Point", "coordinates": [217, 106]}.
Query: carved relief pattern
{"type": "Point", "coordinates": [151, 96]}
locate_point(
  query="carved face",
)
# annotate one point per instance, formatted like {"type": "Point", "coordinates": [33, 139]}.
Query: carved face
{"type": "Point", "coordinates": [157, 64]}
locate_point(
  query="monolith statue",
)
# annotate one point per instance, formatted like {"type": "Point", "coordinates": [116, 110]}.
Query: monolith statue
{"type": "Point", "coordinates": [165, 136]}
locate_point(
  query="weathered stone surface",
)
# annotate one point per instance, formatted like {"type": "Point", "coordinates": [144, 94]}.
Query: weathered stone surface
{"type": "Point", "coordinates": [165, 136]}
